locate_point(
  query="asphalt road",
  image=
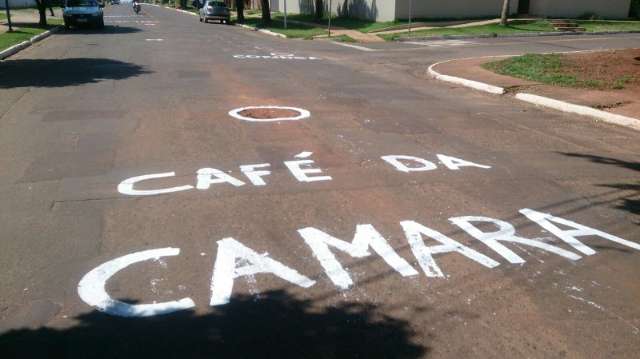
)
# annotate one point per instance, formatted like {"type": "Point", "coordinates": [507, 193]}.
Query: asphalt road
{"type": "Point", "coordinates": [86, 110]}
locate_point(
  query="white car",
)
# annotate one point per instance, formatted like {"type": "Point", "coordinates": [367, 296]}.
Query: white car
{"type": "Point", "coordinates": [83, 12]}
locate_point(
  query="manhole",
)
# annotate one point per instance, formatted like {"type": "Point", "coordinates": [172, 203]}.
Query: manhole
{"type": "Point", "coordinates": [269, 113]}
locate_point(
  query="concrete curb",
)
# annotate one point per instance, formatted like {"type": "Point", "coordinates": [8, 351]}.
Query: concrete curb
{"type": "Point", "coordinates": [580, 110]}
{"type": "Point", "coordinates": [537, 100]}
{"type": "Point", "coordinates": [23, 45]}
{"type": "Point", "coordinates": [535, 34]}
{"type": "Point", "coordinates": [261, 30]}
{"type": "Point", "coordinates": [476, 85]}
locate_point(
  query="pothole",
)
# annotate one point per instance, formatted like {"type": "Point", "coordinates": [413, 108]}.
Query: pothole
{"type": "Point", "coordinates": [269, 113]}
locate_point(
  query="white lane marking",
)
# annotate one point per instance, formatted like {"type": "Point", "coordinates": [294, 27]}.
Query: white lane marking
{"type": "Point", "coordinates": [276, 57]}
{"type": "Point", "coordinates": [91, 288]}
{"type": "Point", "coordinates": [441, 43]}
{"type": "Point", "coordinates": [361, 48]}
{"type": "Point", "coordinates": [303, 114]}
{"type": "Point", "coordinates": [158, 40]}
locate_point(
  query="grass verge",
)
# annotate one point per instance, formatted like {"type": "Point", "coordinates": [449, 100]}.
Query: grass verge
{"type": "Point", "coordinates": [554, 69]}
{"type": "Point", "coordinates": [514, 27]}
{"type": "Point", "coordinates": [20, 34]}
{"type": "Point", "coordinates": [519, 27]}
{"type": "Point", "coordinates": [603, 25]}
{"type": "Point", "coordinates": [293, 30]}
{"type": "Point", "coordinates": [343, 38]}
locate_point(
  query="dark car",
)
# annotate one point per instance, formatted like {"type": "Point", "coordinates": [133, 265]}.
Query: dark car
{"type": "Point", "coordinates": [214, 10]}
{"type": "Point", "coordinates": [83, 12]}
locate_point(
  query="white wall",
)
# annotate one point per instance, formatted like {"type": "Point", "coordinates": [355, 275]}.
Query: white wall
{"type": "Point", "coordinates": [380, 10]}
{"type": "Point", "coordinates": [386, 10]}
{"type": "Point", "coordinates": [17, 4]}
{"type": "Point", "coordinates": [612, 9]}
{"type": "Point", "coordinates": [453, 9]}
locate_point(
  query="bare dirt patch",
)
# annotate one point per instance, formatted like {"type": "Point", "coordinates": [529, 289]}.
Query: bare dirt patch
{"type": "Point", "coordinates": [268, 113]}
{"type": "Point", "coordinates": [610, 69]}
{"type": "Point", "coordinates": [606, 80]}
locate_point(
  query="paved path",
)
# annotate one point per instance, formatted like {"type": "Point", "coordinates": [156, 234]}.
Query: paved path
{"type": "Point", "coordinates": [247, 219]}
{"type": "Point", "coordinates": [466, 24]}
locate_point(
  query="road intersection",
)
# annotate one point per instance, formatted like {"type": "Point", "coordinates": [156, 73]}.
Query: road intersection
{"type": "Point", "coordinates": [399, 217]}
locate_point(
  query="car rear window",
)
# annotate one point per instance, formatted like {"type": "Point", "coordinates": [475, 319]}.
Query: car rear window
{"type": "Point", "coordinates": [217, 3]}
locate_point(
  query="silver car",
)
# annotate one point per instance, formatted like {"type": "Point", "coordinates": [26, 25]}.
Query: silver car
{"type": "Point", "coordinates": [214, 10]}
{"type": "Point", "coordinates": [82, 12]}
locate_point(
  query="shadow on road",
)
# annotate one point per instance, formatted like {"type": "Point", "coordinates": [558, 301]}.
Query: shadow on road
{"type": "Point", "coordinates": [629, 198]}
{"type": "Point", "coordinates": [275, 325]}
{"type": "Point", "coordinates": [108, 29]}
{"type": "Point", "coordinates": [64, 72]}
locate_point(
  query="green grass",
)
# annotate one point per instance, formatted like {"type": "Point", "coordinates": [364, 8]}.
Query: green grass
{"type": "Point", "coordinates": [518, 27]}
{"type": "Point", "coordinates": [343, 38]}
{"type": "Point", "coordinates": [551, 69]}
{"type": "Point", "coordinates": [293, 30]}
{"type": "Point", "coordinates": [514, 27]}
{"type": "Point", "coordinates": [2, 15]}
{"type": "Point", "coordinates": [603, 25]}
{"type": "Point", "coordinates": [18, 35]}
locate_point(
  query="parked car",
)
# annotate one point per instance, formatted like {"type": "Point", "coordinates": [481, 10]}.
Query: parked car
{"type": "Point", "coordinates": [115, 2]}
{"type": "Point", "coordinates": [83, 12]}
{"type": "Point", "coordinates": [214, 10]}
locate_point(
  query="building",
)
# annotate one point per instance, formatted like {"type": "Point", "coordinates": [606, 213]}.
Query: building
{"type": "Point", "coordinates": [388, 10]}
{"type": "Point", "coordinates": [18, 4]}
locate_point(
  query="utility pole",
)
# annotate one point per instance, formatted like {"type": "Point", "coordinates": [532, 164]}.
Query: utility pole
{"type": "Point", "coordinates": [285, 14]}
{"type": "Point", "coordinates": [330, 17]}
{"type": "Point", "coordinates": [410, 14]}
{"type": "Point", "coordinates": [6, 6]}
{"type": "Point", "coordinates": [505, 13]}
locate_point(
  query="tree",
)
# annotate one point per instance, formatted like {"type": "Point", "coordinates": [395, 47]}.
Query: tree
{"type": "Point", "coordinates": [505, 13]}
{"type": "Point", "coordinates": [42, 10]}
{"type": "Point", "coordinates": [240, 10]}
{"type": "Point", "coordinates": [319, 9]}
{"type": "Point", "coordinates": [266, 12]}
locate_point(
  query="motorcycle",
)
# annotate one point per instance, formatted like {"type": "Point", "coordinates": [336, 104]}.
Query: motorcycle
{"type": "Point", "coordinates": [136, 8]}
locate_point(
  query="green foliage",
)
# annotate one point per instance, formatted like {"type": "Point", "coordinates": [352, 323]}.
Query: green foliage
{"type": "Point", "coordinates": [343, 38]}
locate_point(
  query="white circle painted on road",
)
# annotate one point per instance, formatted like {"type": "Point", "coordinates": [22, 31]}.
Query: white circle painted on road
{"type": "Point", "coordinates": [303, 114]}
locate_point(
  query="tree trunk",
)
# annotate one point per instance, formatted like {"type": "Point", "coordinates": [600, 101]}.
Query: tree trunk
{"type": "Point", "coordinates": [42, 11]}
{"type": "Point", "coordinates": [266, 12]}
{"type": "Point", "coordinates": [504, 18]}
{"type": "Point", "coordinates": [240, 10]}
{"type": "Point", "coordinates": [319, 13]}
